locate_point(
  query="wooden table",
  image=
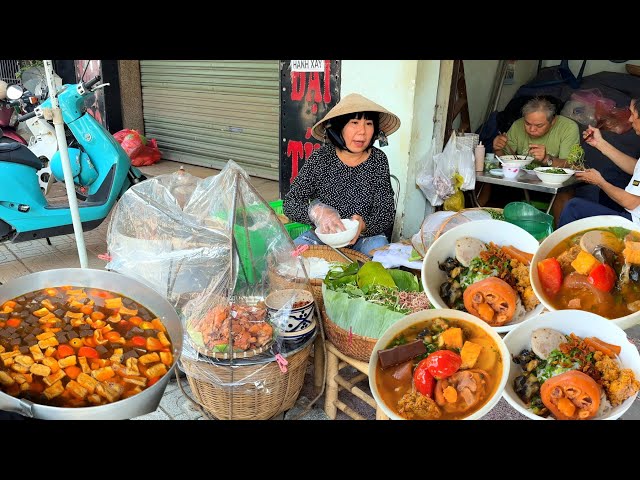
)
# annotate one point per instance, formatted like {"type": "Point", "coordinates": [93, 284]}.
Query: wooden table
{"type": "Point", "coordinates": [526, 182]}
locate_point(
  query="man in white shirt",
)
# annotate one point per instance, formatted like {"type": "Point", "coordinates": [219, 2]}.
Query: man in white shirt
{"type": "Point", "coordinates": [629, 198]}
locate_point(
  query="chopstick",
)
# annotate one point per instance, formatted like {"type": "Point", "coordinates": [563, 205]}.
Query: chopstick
{"type": "Point", "coordinates": [509, 148]}
{"type": "Point", "coordinates": [598, 126]}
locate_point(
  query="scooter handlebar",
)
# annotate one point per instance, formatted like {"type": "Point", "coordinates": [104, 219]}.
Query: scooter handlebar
{"type": "Point", "coordinates": [92, 82]}
{"type": "Point", "coordinates": [29, 115]}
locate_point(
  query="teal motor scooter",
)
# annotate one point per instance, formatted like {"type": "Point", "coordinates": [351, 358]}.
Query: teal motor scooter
{"type": "Point", "coordinates": [102, 172]}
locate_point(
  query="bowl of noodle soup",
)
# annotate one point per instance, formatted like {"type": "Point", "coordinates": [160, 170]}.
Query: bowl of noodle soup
{"type": "Point", "coordinates": [614, 386]}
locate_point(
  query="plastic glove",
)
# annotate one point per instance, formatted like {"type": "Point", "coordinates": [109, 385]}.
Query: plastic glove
{"type": "Point", "coordinates": [326, 218]}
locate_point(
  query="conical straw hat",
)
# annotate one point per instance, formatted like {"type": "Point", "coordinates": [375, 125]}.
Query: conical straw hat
{"type": "Point", "coordinates": [353, 103]}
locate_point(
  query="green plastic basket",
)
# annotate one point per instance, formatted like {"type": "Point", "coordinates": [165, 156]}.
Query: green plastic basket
{"type": "Point", "coordinates": [537, 223]}
{"type": "Point", "coordinates": [294, 229]}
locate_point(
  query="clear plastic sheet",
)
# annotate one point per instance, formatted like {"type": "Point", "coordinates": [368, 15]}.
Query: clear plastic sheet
{"type": "Point", "coordinates": [211, 247]}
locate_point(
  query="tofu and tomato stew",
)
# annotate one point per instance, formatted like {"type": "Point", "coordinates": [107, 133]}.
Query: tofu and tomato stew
{"type": "Point", "coordinates": [77, 347]}
{"type": "Point", "coordinates": [440, 368]}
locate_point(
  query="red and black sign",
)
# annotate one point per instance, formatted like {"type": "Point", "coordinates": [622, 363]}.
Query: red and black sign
{"type": "Point", "coordinates": [305, 98]}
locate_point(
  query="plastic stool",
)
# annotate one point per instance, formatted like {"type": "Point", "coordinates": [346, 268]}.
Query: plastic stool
{"type": "Point", "coordinates": [336, 361]}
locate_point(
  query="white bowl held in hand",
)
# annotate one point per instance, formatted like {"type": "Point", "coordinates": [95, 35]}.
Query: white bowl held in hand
{"type": "Point", "coordinates": [583, 324]}
{"type": "Point", "coordinates": [340, 239]}
{"type": "Point", "coordinates": [496, 231]}
{"type": "Point", "coordinates": [560, 235]}
{"type": "Point", "coordinates": [553, 178]}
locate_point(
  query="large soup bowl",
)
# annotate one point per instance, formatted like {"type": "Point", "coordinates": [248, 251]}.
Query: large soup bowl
{"type": "Point", "coordinates": [418, 317]}
{"type": "Point", "coordinates": [583, 324]}
{"type": "Point", "coordinates": [563, 233]}
{"type": "Point", "coordinates": [496, 231]}
{"type": "Point", "coordinates": [142, 403]}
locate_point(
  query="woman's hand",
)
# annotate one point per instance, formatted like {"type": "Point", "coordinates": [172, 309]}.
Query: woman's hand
{"type": "Point", "coordinates": [539, 152]}
{"type": "Point", "coordinates": [592, 176]}
{"type": "Point", "coordinates": [499, 142]}
{"type": "Point", "coordinates": [592, 136]}
{"type": "Point", "coordinates": [361, 227]}
{"type": "Point", "coordinates": [326, 218]}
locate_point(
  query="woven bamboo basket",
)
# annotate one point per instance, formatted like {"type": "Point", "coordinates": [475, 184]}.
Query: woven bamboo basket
{"type": "Point", "coordinates": [352, 345]}
{"type": "Point", "coordinates": [450, 222]}
{"type": "Point", "coordinates": [248, 392]}
{"type": "Point", "coordinates": [318, 251]}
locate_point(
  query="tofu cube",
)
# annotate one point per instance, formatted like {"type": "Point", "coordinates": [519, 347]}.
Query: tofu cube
{"type": "Point", "coordinates": [76, 389]}
{"type": "Point", "coordinates": [149, 358]}
{"type": "Point", "coordinates": [5, 378]}
{"type": "Point", "coordinates": [36, 352]}
{"type": "Point", "coordinates": [54, 377]}
{"type": "Point", "coordinates": [39, 369]}
{"type": "Point", "coordinates": [67, 361]}
{"type": "Point", "coordinates": [54, 390]}
{"type": "Point", "coordinates": [87, 382]}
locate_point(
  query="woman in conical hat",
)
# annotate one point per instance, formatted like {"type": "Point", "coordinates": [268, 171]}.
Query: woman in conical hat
{"type": "Point", "coordinates": [347, 177]}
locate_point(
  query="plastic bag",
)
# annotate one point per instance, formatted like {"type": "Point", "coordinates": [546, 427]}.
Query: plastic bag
{"type": "Point", "coordinates": [436, 178]}
{"type": "Point", "coordinates": [216, 261]}
{"type": "Point", "coordinates": [132, 143]}
{"type": "Point", "coordinates": [141, 152]}
{"type": "Point", "coordinates": [591, 97]}
{"type": "Point", "coordinates": [425, 179]}
{"type": "Point", "coordinates": [613, 119]}
{"type": "Point", "coordinates": [579, 111]}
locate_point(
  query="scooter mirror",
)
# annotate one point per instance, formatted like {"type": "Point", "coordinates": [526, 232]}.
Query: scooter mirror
{"type": "Point", "coordinates": [14, 92]}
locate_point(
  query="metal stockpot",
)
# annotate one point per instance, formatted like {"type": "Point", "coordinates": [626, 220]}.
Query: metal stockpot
{"type": "Point", "coordinates": [142, 403]}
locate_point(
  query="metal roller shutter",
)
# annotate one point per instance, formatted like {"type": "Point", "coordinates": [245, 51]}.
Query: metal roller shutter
{"type": "Point", "coordinates": [208, 112]}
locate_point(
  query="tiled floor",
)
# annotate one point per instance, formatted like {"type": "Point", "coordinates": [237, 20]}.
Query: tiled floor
{"type": "Point", "coordinates": [17, 259]}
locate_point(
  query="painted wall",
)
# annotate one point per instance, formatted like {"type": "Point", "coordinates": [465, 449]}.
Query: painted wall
{"type": "Point", "coordinates": [593, 66]}
{"type": "Point", "coordinates": [408, 89]}
{"type": "Point", "coordinates": [480, 76]}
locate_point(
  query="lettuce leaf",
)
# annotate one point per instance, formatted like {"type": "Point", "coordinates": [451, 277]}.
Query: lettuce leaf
{"type": "Point", "coordinates": [405, 281]}
{"type": "Point", "coordinates": [362, 317]}
{"type": "Point", "coordinates": [373, 273]}
{"type": "Point", "coordinates": [340, 274]}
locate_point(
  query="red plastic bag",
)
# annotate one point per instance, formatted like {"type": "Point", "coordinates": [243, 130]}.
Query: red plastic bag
{"type": "Point", "coordinates": [146, 156]}
{"type": "Point", "coordinates": [132, 144]}
{"type": "Point", "coordinates": [141, 151]}
{"type": "Point", "coordinates": [614, 119]}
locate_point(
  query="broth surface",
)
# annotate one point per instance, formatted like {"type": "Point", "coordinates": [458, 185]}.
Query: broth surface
{"type": "Point", "coordinates": [619, 302]}
{"type": "Point", "coordinates": [77, 346]}
{"type": "Point", "coordinates": [393, 386]}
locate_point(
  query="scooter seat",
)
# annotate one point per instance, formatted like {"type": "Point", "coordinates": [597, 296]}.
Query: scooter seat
{"type": "Point", "coordinates": [18, 153]}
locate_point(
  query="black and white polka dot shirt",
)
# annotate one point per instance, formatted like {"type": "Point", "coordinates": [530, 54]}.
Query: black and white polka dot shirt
{"type": "Point", "coordinates": [364, 190]}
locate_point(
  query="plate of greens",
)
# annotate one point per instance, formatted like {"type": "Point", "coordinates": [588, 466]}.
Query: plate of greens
{"type": "Point", "coordinates": [554, 175]}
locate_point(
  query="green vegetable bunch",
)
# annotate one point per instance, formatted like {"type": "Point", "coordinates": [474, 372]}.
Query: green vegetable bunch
{"type": "Point", "coordinates": [575, 159]}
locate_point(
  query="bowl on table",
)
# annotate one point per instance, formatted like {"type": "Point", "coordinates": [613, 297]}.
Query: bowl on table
{"type": "Point", "coordinates": [340, 239]}
{"type": "Point", "coordinates": [519, 160]}
{"type": "Point", "coordinates": [549, 175]}
{"type": "Point", "coordinates": [583, 324]}
{"type": "Point", "coordinates": [510, 170]}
